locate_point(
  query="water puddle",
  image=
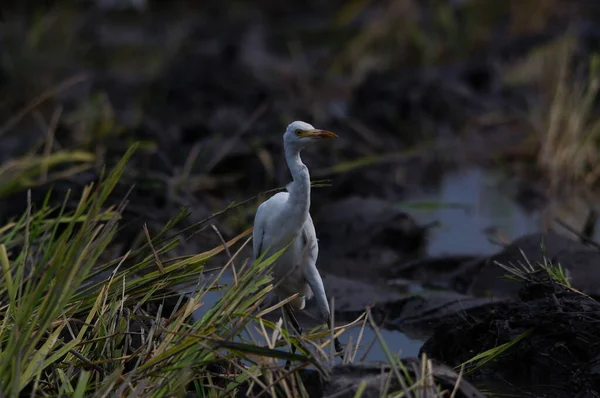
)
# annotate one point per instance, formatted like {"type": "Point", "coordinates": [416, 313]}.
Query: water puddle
{"type": "Point", "coordinates": [471, 204]}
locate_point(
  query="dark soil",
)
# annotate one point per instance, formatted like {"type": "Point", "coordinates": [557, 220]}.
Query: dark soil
{"type": "Point", "coordinates": [559, 358]}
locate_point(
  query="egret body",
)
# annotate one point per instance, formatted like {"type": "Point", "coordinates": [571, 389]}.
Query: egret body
{"type": "Point", "coordinates": [285, 219]}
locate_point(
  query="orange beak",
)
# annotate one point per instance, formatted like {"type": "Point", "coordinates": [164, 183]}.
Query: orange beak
{"type": "Point", "coordinates": [321, 134]}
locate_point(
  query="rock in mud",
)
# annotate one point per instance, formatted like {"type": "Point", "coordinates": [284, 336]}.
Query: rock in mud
{"type": "Point", "coordinates": [558, 355]}
{"type": "Point", "coordinates": [362, 237]}
{"type": "Point", "coordinates": [448, 272]}
{"type": "Point", "coordinates": [418, 315]}
{"type": "Point", "coordinates": [580, 262]}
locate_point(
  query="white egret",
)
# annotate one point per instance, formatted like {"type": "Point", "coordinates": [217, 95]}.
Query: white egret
{"type": "Point", "coordinates": [285, 219]}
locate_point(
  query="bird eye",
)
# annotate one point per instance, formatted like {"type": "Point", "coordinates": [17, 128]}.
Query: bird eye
{"type": "Point", "coordinates": [298, 132]}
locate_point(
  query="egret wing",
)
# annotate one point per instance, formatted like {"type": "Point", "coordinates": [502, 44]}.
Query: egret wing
{"type": "Point", "coordinates": [258, 234]}
{"type": "Point", "coordinates": [263, 221]}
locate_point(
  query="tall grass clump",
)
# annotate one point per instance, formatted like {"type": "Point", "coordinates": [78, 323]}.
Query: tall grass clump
{"type": "Point", "coordinates": [569, 144]}
{"type": "Point", "coordinates": [565, 122]}
{"type": "Point", "coordinates": [45, 256]}
{"type": "Point", "coordinates": [75, 324]}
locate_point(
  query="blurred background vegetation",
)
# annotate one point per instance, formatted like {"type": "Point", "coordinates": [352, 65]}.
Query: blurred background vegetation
{"type": "Point", "coordinates": [209, 86]}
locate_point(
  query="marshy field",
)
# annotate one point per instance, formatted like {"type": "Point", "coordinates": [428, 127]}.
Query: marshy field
{"type": "Point", "coordinates": [456, 213]}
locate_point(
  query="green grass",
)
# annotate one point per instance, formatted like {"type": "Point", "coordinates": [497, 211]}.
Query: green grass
{"type": "Point", "coordinates": [526, 271]}
{"type": "Point", "coordinates": [59, 317]}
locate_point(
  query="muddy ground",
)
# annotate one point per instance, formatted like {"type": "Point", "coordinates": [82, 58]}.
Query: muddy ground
{"type": "Point", "coordinates": [414, 92]}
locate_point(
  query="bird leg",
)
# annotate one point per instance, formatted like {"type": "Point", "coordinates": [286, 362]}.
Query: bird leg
{"type": "Point", "coordinates": [289, 312]}
{"type": "Point", "coordinates": [336, 342]}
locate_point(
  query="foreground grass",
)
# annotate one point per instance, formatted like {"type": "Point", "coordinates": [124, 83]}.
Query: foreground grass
{"type": "Point", "coordinates": [76, 323]}
{"type": "Point", "coordinates": [73, 324]}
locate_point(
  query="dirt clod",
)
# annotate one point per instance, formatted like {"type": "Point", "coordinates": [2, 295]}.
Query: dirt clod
{"type": "Point", "coordinates": [559, 356]}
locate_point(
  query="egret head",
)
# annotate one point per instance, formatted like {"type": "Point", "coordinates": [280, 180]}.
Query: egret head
{"type": "Point", "coordinates": [299, 134]}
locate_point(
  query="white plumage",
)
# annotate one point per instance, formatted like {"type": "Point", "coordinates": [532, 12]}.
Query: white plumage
{"type": "Point", "coordinates": [285, 218]}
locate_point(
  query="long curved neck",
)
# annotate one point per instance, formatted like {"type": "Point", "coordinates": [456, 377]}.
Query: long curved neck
{"type": "Point", "coordinates": [299, 188]}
